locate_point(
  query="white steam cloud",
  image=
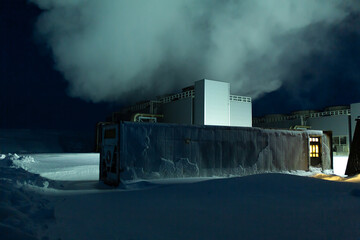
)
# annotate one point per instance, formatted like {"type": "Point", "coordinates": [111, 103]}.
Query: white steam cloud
{"type": "Point", "coordinates": [116, 50]}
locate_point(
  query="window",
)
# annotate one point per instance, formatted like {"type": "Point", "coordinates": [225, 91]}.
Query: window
{"type": "Point", "coordinates": [340, 145]}
{"type": "Point", "coordinates": [314, 151]}
{"type": "Point", "coordinates": [343, 140]}
{"type": "Point", "coordinates": [314, 147]}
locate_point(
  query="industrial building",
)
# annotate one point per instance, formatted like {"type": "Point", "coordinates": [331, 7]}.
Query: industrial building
{"type": "Point", "coordinates": [340, 120]}
{"type": "Point", "coordinates": [207, 102]}
{"type": "Point", "coordinates": [203, 131]}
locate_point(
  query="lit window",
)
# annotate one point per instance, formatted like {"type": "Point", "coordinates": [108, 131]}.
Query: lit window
{"type": "Point", "coordinates": [314, 147]}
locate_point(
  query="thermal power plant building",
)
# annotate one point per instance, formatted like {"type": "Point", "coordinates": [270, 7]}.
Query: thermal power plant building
{"type": "Point", "coordinates": [340, 120]}
{"type": "Point", "coordinates": [207, 102]}
{"type": "Point", "coordinates": [203, 131]}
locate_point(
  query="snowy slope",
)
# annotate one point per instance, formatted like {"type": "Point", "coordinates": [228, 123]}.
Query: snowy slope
{"type": "Point", "coordinates": [49, 200]}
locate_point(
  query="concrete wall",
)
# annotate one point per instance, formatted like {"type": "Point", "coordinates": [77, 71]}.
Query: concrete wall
{"type": "Point", "coordinates": [180, 111]}
{"type": "Point", "coordinates": [240, 114]}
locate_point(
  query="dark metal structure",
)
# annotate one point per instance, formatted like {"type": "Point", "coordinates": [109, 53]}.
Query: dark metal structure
{"type": "Point", "coordinates": [353, 165]}
{"type": "Point", "coordinates": [132, 150]}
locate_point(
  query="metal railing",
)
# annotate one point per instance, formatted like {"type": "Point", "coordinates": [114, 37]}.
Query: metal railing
{"type": "Point", "coordinates": [187, 94]}
{"type": "Point", "coordinates": [178, 96]}
{"type": "Point", "coordinates": [330, 113]}
{"type": "Point", "coordinates": [137, 107]}
{"type": "Point", "coordinates": [299, 116]}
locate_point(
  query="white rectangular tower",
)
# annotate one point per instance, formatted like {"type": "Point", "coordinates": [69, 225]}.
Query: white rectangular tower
{"type": "Point", "coordinates": [212, 103]}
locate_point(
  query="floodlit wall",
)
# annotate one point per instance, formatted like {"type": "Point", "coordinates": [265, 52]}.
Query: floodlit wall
{"type": "Point", "coordinates": [212, 104]}
{"type": "Point", "coordinates": [179, 111]}
{"type": "Point", "coordinates": [337, 124]}
{"type": "Point", "coordinates": [170, 150]}
{"type": "Point", "coordinates": [240, 114]}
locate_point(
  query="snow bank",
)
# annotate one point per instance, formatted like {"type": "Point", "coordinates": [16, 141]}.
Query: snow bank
{"type": "Point", "coordinates": [14, 169]}
{"type": "Point", "coordinates": [23, 213]}
{"type": "Point", "coordinates": [264, 206]}
{"type": "Point", "coordinates": [65, 167]}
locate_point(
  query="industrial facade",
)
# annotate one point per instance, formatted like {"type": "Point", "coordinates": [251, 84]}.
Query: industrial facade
{"type": "Point", "coordinates": [207, 102]}
{"type": "Point", "coordinates": [340, 120]}
{"type": "Point", "coordinates": [206, 131]}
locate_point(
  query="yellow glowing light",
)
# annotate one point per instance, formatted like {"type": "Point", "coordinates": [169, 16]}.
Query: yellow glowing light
{"type": "Point", "coordinates": [314, 147]}
{"type": "Point", "coordinates": [354, 179]}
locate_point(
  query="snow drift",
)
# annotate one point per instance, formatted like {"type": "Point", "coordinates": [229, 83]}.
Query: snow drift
{"type": "Point", "coordinates": [265, 206]}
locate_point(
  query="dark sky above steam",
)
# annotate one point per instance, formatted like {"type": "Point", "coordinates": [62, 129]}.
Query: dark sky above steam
{"type": "Point", "coordinates": [109, 49]}
{"type": "Point", "coordinates": [286, 54]}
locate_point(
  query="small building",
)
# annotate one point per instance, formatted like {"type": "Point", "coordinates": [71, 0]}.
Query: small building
{"type": "Point", "coordinates": [207, 102]}
{"type": "Point", "coordinates": [340, 120]}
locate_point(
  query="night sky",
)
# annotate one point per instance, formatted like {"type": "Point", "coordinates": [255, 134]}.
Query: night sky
{"type": "Point", "coordinates": [34, 95]}
{"type": "Point", "coordinates": [321, 79]}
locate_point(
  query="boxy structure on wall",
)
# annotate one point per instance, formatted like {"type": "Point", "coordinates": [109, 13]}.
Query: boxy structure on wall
{"type": "Point", "coordinates": [214, 105]}
{"type": "Point", "coordinates": [340, 120]}
{"type": "Point", "coordinates": [146, 150]}
{"type": "Point", "coordinates": [240, 111]}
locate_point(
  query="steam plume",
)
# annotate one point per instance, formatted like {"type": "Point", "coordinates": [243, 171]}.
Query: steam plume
{"type": "Point", "coordinates": [116, 50]}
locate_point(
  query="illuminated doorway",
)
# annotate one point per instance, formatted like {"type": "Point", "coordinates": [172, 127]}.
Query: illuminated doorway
{"type": "Point", "coordinates": [315, 151]}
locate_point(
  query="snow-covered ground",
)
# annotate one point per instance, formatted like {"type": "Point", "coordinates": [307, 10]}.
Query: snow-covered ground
{"type": "Point", "coordinates": [58, 196]}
